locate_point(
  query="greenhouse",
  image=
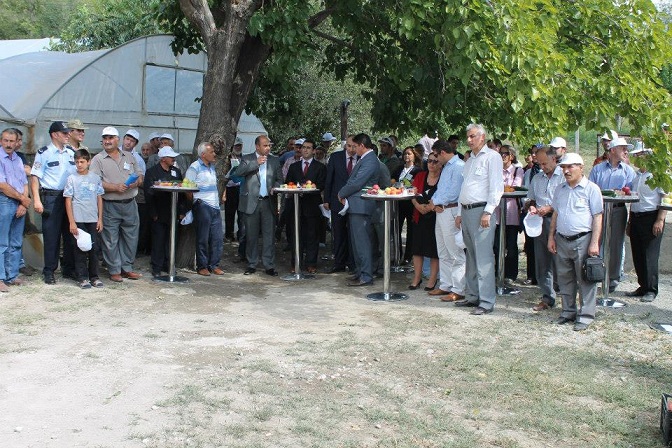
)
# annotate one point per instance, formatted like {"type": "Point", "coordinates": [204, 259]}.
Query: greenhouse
{"type": "Point", "coordinates": [140, 85]}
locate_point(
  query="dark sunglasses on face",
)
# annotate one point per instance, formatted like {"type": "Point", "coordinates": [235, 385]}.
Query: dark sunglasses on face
{"type": "Point", "coordinates": [432, 161]}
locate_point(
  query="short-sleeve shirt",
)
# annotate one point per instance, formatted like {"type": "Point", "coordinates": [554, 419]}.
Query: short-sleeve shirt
{"type": "Point", "coordinates": [11, 171]}
{"type": "Point", "coordinates": [576, 207]}
{"type": "Point", "coordinates": [205, 178]}
{"type": "Point", "coordinates": [649, 199]}
{"type": "Point", "coordinates": [542, 188]}
{"type": "Point", "coordinates": [53, 166]}
{"type": "Point", "coordinates": [607, 177]}
{"type": "Point", "coordinates": [116, 172]}
{"type": "Point", "coordinates": [84, 190]}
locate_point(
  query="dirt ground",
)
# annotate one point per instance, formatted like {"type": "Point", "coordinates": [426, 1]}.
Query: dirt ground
{"type": "Point", "coordinates": [257, 361]}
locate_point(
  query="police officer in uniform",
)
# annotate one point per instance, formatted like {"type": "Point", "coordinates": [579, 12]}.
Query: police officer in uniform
{"type": "Point", "coordinates": [53, 164]}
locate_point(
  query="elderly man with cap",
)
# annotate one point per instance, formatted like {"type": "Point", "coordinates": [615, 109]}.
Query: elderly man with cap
{"type": "Point", "coordinates": [559, 145]}
{"type": "Point", "coordinates": [151, 148]}
{"type": "Point", "coordinates": [574, 235]}
{"type": "Point", "coordinates": [387, 155]}
{"type": "Point", "coordinates": [51, 168]}
{"type": "Point", "coordinates": [645, 228]}
{"type": "Point", "coordinates": [605, 141]}
{"type": "Point", "coordinates": [328, 140]}
{"type": "Point", "coordinates": [121, 178]}
{"type": "Point", "coordinates": [615, 174]}
{"type": "Point", "coordinates": [77, 132]}
{"type": "Point", "coordinates": [14, 202]}
{"type": "Point", "coordinates": [158, 205]}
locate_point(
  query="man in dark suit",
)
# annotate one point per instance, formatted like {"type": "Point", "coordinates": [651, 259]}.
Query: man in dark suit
{"type": "Point", "coordinates": [262, 174]}
{"type": "Point", "coordinates": [361, 210]}
{"type": "Point", "coordinates": [307, 169]}
{"type": "Point", "coordinates": [341, 164]}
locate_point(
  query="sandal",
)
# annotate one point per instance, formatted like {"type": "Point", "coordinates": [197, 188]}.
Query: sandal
{"type": "Point", "coordinates": [85, 284]}
{"type": "Point", "coordinates": [97, 283]}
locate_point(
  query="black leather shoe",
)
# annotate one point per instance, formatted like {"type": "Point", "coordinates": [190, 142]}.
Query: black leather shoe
{"type": "Point", "coordinates": [636, 293]}
{"type": "Point", "coordinates": [414, 287]}
{"type": "Point", "coordinates": [479, 311]}
{"type": "Point", "coordinates": [272, 272]}
{"type": "Point", "coordinates": [334, 270]}
{"type": "Point", "coordinates": [50, 279]}
{"type": "Point", "coordinates": [563, 320]}
{"type": "Point", "coordinates": [465, 303]}
{"type": "Point", "coordinates": [360, 283]}
{"type": "Point", "coordinates": [249, 271]}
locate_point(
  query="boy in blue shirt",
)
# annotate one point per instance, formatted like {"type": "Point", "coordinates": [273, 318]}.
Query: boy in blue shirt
{"type": "Point", "coordinates": [84, 207]}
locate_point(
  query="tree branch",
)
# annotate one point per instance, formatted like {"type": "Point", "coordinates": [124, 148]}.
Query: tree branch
{"type": "Point", "coordinates": [319, 17]}
{"type": "Point", "coordinates": [331, 38]}
{"type": "Point", "coordinates": [199, 14]}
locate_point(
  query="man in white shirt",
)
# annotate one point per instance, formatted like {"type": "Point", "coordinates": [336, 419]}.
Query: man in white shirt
{"type": "Point", "coordinates": [481, 191]}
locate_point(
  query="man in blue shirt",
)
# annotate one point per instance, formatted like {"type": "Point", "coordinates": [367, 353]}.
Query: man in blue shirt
{"type": "Point", "coordinates": [615, 174]}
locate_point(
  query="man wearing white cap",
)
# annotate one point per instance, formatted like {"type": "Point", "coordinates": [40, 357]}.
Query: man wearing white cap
{"type": "Point", "coordinates": [327, 140]}
{"type": "Point", "coordinates": [605, 141]}
{"type": "Point", "coordinates": [615, 174]}
{"type": "Point", "coordinates": [539, 198]}
{"type": "Point", "coordinates": [121, 178]}
{"type": "Point", "coordinates": [574, 235]}
{"type": "Point", "coordinates": [559, 145]}
{"type": "Point", "coordinates": [645, 227]}
{"type": "Point", "coordinates": [159, 207]}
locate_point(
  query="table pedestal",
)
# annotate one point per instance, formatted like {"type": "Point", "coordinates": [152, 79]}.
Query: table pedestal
{"type": "Point", "coordinates": [297, 248]}
{"type": "Point", "coordinates": [171, 277]}
{"type": "Point", "coordinates": [386, 295]}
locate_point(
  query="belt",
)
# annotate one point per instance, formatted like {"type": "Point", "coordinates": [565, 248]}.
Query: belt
{"type": "Point", "coordinates": [120, 201]}
{"type": "Point", "coordinates": [48, 192]}
{"type": "Point", "coordinates": [474, 205]}
{"type": "Point", "coordinates": [451, 205]}
{"type": "Point", "coordinates": [574, 237]}
{"type": "Point", "coordinates": [619, 204]}
{"type": "Point", "coordinates": [261, 198]}
{"type": "Point", "coordinates": [651, 212]}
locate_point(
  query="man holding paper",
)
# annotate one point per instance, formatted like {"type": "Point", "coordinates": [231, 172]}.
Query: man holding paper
{"type": "Point", "coordinates": [121, 177]}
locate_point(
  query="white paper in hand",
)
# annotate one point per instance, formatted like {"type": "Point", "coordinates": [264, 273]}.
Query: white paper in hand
{"type": "Point", "coordinates": [346, 206]}
{"type": "Point", "coordinates": [188, 218]}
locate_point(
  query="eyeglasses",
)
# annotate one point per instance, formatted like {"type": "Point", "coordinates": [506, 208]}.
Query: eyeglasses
{"type": "Point", "coordinates": [505, 154]}
{"type": "Point", "coordinates": [432, 161]}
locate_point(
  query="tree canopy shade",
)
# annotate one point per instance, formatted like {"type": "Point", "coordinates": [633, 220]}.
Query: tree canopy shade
{"type": "Point", "coordinates": [525, 69]}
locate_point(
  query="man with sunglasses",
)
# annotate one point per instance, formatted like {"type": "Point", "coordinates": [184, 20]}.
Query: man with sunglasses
{"type": "Point", "coordinates": [51, 168]}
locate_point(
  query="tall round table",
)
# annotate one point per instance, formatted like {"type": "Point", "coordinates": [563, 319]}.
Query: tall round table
{"type": "Point", "coordinates": [501, 288]}
{"type": "Point", "coordinates": [386, 295]}
{"type": "Point", "coordinates": [174, 191]}
{"type": "Point", "coordinates": [609, 202]}
{"type": "Point", "coordinates": [295, 192]}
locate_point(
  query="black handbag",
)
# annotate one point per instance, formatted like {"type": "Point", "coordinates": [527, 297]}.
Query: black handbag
{"type": "Point", "coordinates": [593, 269]}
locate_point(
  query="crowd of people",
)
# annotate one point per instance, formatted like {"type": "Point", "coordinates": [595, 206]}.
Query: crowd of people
{"type": "Point", "coordinates": [451, 223]}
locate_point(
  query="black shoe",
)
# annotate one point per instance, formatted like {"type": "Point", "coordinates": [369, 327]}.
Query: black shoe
{"type": "Point", "coordinates": [49, 279]}
{"type": "Point", "coordinates": [272, 272]}
{"type": "Point", "coordinates": [414, 287]}
{"type": "Point", "coordinates": [636, 293]}
{"type": "Point", "coordinates": [27, 271]}
{"type": "Point", "coordinates": [334, 270]}
{"type": "Point", "coordinates": [156, 274]}
{"type": "Point", "coordinates": [431, 288]}
{"type": "Point", "coordinates": [479, 311]}
{"type": "Point", "coordinates": [465, 303]}
{"type": "Point", "coordinates": [612, 287]}
{"type": "Point", "coordinates": [249, 271]}
{"type": "Point", "coordinates": [563, 320]}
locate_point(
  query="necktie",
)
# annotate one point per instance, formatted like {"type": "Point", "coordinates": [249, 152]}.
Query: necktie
{"type": "Point", "coordinates": [349, 165]}
{"type": "Point", "coordinates": [305, 168]}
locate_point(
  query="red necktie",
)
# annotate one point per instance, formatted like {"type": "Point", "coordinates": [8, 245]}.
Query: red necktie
{"type": "Point", "coordinates": [305, 168]}
{"type": "Point", "coordinates": [349, 165]}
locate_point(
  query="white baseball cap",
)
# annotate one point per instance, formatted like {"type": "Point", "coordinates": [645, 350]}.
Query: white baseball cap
{"type": "Point", "coordinates": [133, 133]}
{"type": "Point", "coordinates": [168, 136]}
{"type": "Point", "coordinates": [299, 141]}
{"type": "Point", "coordinates": [328, 137]}
{"type": "Point", "coordinates": [558, 142]}
{"type": "Point", "coordinates": [110, 131]}
{"type": "Point", "coordinates": [167, 151]}
{"type": "Point", "coordinates": [620, 141]}
{"type": "Point", "coordinates": [571, 158]}
{"type": "Point", "coordinates": [533, 224]}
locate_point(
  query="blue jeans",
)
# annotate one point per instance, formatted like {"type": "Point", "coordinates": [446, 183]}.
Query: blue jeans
{"type": "Point", "coordinates": [209, 235]}
{"type": "Point", "coordinates": [11, 238]}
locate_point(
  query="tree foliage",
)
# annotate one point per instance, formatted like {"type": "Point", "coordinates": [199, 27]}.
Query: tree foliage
{"type": "Point", "coordinates": [108, 24]}
{"type": "Point", "coordinates": [32, 19]}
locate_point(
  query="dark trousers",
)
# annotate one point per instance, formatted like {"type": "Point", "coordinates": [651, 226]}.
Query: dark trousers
{"type": "Point", "coordinates": [645, 250]}
{"type": "Point", "coordinates": [160, 246]}
{"type": "Point", "coordinates": [86, 263]}
{"type": "Point", "coordinates": [308, 238]}
{"type": "Point", "coordinates": [144, 237]}
{"type": "Point", "coordinates": [55, 228]}
{"type": "Point", "coordinates": [342, 253]}
{"type": "Point", "coordinates": [529, 250]}
{"type": "Point", "coordinates": [511, 252]}
{"type": "Point", "coordinates": [406, 214]}
{"type": "Point", "coordinates": [230, 210]}
{"type": "Point", "coordinates": [209, 235]}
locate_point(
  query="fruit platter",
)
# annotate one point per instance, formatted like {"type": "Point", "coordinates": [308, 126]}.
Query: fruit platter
{"type": "Point", "coordinates": [291, 187]}
{"type": "Point", "coordinates": [376, 191]}
{"type": "Point", "coordinates": [185, 185]}
{"type": "Point", "coordinates": [618, 193]}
